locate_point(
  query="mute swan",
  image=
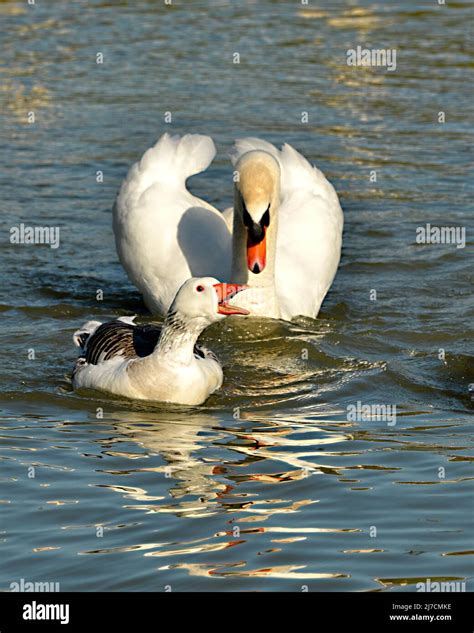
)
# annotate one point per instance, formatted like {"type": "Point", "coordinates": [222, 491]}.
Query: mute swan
{"type": "Point", "coordinates": [283, 236]}
{"type": "Point", "coordinates": [158, 363]}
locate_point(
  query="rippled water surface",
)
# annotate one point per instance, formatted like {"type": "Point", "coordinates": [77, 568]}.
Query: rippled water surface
{"type": "Point", "coordinates": [270, 485]}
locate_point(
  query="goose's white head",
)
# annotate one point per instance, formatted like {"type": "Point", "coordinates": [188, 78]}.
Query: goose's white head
{"type": "Point", "coordinates": [205, 299]}
{"type": "Point", "coordinates": [257, 192]}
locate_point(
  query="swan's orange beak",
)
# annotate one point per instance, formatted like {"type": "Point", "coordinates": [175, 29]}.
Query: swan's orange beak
{"type": "Point", "coordinates": [257, 254]}
{"type": "Point", "coordinates": [226, 292]}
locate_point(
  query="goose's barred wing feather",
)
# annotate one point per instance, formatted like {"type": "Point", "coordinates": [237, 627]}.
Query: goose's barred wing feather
{"type": "Point", "coordinates": [117, 338]}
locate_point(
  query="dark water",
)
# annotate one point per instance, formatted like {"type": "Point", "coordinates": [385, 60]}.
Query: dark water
{"type": "Point", "coordinates": [272, 485]}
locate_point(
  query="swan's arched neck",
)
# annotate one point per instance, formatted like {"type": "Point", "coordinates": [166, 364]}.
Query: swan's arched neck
{"type": "Point", "coordinates": [260, 296]}
{"type": "Point", "coordinates": [256, 204]}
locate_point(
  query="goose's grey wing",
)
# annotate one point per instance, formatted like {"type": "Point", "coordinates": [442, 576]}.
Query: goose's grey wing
{"type": "Point", "coordinates": [118, 338]}
{"type": "Point", "coordinates": [122, 338]}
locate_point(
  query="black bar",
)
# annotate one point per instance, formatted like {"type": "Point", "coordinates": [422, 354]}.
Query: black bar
{"type": "Point", "coordinates": [241, 612]}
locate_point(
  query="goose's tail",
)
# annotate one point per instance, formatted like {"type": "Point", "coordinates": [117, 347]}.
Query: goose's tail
{"type": "Point", "coordinates": [81, 335]}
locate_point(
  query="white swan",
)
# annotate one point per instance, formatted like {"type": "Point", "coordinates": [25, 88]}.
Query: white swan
{"type": "Point", "coordinates": [283, 236]}
{"type": "Point", "coordinates": [157, 363]}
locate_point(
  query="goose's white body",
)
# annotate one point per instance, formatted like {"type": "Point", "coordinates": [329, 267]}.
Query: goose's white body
{"type": "Point", "coordinates": [152, 362]}
{"type": "Point", "coordinates": [164, 234]}
{"type": "Point", "coordinates": [158, 381]}
{"type": "Point", "coordinates": [157, 377]}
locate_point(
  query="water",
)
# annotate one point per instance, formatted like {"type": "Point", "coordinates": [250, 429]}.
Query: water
{"type": "Point", "coordinates": [294, 492]}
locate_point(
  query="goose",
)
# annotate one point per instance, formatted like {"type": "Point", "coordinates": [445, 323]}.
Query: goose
{"type": "Point", "coordinates": [157, 363]}
{"type": "Point", "coordinates": [282, 237]}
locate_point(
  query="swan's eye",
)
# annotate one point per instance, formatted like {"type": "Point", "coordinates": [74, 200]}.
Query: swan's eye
{"type": "Point", "coordinates": [200, 289]}
{"type": "Point", "coordinates": [265, 221]}
{"type": "Point", "coordinates": [248, 222]}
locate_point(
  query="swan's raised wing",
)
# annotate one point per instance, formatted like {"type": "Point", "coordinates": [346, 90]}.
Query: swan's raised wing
{"type": "Point", "coordinates": [310, 222]}
{"type": "Point", "coordinates": [163, 233]}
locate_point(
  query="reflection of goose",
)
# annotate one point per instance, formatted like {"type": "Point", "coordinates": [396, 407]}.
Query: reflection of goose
{"type": "Point", "coordinates": [178, 443]}
{"type": "Point", "coordinates": [283, 237]}
{"type": "Point", "coordinates": [200, 481]}
{"type": "Point", "coordinates": [154, 363]}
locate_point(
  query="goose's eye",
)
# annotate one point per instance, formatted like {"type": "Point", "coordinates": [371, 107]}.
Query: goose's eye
{"type": "Point", "coordinates": [200, 289]}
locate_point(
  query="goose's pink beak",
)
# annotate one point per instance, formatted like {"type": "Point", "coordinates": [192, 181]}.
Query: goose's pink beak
{"type": "Point", "coordinates": [225, 292]}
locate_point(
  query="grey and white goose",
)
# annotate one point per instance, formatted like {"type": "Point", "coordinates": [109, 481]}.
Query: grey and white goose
{"type": "Point", "coordinates": [160, 363]}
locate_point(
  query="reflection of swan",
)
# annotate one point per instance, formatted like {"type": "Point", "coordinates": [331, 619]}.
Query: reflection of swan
{"type": "Point", "coordinates": [283, 238]}
{"type": "Point", "coordinates": [157, 363]}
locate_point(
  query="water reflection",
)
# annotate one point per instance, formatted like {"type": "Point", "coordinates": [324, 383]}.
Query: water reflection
{"type": "Point", "coordinates": [213, 484]}
{"type": "Point", "coordinates": [289, 572]}
{"type": "Point", "coordinates": [202, 486]}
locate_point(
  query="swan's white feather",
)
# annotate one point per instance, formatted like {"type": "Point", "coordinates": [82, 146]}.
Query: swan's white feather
{"type": "Point", "coordinates": [163, 233]}
{"type": "Point", "coordinates": [228, 215]}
